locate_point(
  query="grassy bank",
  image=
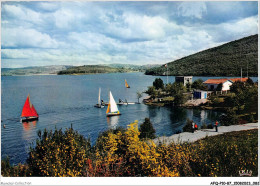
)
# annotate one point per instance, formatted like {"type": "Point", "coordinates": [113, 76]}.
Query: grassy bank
{"type": "Point", "coordinates": [121, 152]}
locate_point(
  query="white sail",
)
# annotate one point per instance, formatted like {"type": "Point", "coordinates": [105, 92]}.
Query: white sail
{"type": "Point", "coordinates": [113, 106]}
{"type": "Point", "coordinates": [99, 96]}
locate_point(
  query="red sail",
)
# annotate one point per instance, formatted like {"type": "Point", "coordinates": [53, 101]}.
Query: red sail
{"type": "Point", "coordinates": [28, 109]}
{"type": "Point", "coordinates": [34, 112]}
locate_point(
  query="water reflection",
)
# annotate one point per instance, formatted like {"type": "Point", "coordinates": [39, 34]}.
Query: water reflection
{"type": "Point", "coordinates": [112, 122]}
{"type": "Point", "coordinates": [29, 129]}
{"type": "Point", "coordinates": [27, 125]}
{"type": "Point", "coordinates": [177, 115]}
{"type": "Point", "coordinates": [153, 111]}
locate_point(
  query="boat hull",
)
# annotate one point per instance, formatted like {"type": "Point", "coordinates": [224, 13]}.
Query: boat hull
{"type": "Point", "coordinates": [113, 114]}
{"type": "Point", "coordinates": [29, 119]}
{"type": "Point", "coordinates": [99, 106]}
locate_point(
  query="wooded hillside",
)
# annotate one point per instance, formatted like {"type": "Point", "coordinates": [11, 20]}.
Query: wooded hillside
{"type": "Point", "coordinates": [224, 60]}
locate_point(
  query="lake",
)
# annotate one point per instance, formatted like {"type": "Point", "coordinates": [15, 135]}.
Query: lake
{"type": "Point", "coordinates": [64, 100]}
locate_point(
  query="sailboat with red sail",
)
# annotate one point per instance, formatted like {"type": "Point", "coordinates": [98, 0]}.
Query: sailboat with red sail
{"type": "Point", "coordinates": [29, 113]}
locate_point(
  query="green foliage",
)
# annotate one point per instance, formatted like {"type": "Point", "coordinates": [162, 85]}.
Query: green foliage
{"type": "Point", "coordinates": [152, 92]}
{"type": "Point", "coordinates": [139, 95]}
{"type": "Point", "coordinates": [59, 154]}
{"type": "Point", "coordinates": [92, 69]}
{"type": "Point", "coordinates": [198, 84]}
{"type": "Point", "coordinates": [250, 82]}
{"type": "Point", "coordinates": [120, 152]}
{"type": "Point", "coordinates": [245, 96]}
{"type": "Point", "coordinates": [158, 83]}
{"type": "Point", "coordinates": [147, 130]}
{"type": "Point", "coordinates": [177, 90]}
{"type": "Point", "coordinates": [210, 126]}
{"type": "Point", "coordinates": [188, 86]}
{"type": "Point", "coordinates": [219, 87]}
{"type": "Point", "coordinates": [188, 126]}
{"type": "Point", "coordinates": [204, 126]}
{"type": "Point", "coordinates": [8, 170]}
{"type": "Point", "coordinates": [230, 118]}
{"type": "Point", "coordinates": [224, 60]}
{"type": "Point", "coordinates": [226, 155]}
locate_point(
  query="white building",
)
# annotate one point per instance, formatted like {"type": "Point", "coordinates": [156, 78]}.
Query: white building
{"type": "Point", "coordinates": [212, 84]}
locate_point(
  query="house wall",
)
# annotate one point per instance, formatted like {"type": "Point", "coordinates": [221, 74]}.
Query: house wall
{"type": "Point", "coordinates": [211, 85]}
{"type": "Point", "coordinates": [183, 79]}
{"type": "Point", "coordinates": [187, 80]}
{"type": "Point", "coordinates": [226, 85]}
{"type": "Point", "coordinates": [200, 95]}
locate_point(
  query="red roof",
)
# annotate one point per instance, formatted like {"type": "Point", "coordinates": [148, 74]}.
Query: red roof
{"type": "Point", "coordinates": [215, 81]}
{"type": "Point", "coordinates": [218, 81]}
{"type": "Point", "coordinates": [239, 79]}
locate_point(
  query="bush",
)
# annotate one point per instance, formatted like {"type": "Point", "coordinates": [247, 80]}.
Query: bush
{"type": "Point", "coordinates": [124, 154]}
{"type": "Point", "coordinates": [188, 126]}
{"type": "Point", "coordinates": [120, 152]}
{"type": "Point", "coordinates": [13, 171]}
{"type": "Point", "coordinates": [59, 154]}
{"type": "Point", "coordinates": [210, 126]}
{"type": "Point", "coordinates": [230, 118]}
{"type": "Point", "coordinates": [158, 83]}
{"type": "Point", "coordinates": [147, 130]}
{"type": "Point", "coordinates": [204, 126]}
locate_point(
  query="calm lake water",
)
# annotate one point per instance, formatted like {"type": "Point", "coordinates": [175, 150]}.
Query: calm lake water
{"type": "Point", "coordinates": [62, 100]}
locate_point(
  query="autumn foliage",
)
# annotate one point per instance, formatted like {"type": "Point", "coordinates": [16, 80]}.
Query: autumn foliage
{"type": "Point", "coordinates": [121, 152]}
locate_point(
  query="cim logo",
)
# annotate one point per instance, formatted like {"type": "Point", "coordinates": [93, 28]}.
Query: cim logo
{"type": "Point", "coordinates": [245, 173]}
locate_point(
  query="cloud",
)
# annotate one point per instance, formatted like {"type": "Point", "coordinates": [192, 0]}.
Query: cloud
{"type": "Point", "coordinates": [191, 9]}
{"type": "Point", "coordinates": [233, 30]}
{"type": "Point", "coordinates": [118, 32]}
{"type": "Point", "coordinates": [21, 13]}
{"type": "Point", "coordinates": [26, 38]}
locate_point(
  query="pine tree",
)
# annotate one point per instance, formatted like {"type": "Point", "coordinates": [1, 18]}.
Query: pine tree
{"type": "Point", "coordinates": [147, 130]}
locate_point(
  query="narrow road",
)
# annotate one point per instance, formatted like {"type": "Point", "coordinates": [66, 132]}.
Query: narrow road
{"type": "Point", "coordinates": [199, 134]}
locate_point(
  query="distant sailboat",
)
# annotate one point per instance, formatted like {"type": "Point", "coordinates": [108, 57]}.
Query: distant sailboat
{"type": "Point", "coordinates": [112, 109]}
{"type": "Point", "coordinates": [99, 104]}
{"type": "Point", "coordinates": [126, 85]}
{"type": "Point", "coordinates": [29, 113]}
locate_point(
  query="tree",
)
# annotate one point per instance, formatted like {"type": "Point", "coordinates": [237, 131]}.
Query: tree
{"type": "Point", "coordinates": [147, 130]}
{"type": "Point", "coordinates": [188, 86]}
{"type": "Point", "coordinates": [177, 91]}
{"type": "Point", "coordinates": [238, 87]}
{"type": "Point", "coordinates": [139, 95]}
{"type": "Point", "coordinates": [230, 118]}
{"type": "Point", "coordinates": [188, 126]}
{"type": "Point", "coordinates": [219, 87]}
{"type": "Point", "coordinates": [240, 90]}
{"type": "Point", "coordinates": [250, 81]}
{"type": "Point", "coordinates": [158, 83]}
{"type": "Point", "coordinates": [152, 92]}
{"type": "Point", "coordinates": [198, 84]}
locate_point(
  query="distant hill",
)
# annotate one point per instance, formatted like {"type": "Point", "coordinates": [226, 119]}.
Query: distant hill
{"type": "Point", "coordinates": [63, 69]}
{"type": "Point", "coordinates": [224, 60]}
{"type": "Point", "coordinates": [92, 69]}
{"type": "Point", "coordinates": [141, 68]}
{"type": "Point", "coordinates": [37, 70]}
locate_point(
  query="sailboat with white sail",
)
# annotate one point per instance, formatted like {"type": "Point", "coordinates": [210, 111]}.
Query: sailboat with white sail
{"type": "Point", "coordinates": [112, 109]}
{"type": "Point", "coordinates": [99, 104]}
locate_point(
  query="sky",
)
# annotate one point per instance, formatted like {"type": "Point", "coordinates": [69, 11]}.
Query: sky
{"type": "Point", "coordinates": [86, 33]}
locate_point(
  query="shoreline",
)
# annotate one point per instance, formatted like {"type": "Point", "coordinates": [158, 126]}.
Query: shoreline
{"type": "Point", "coordinates": [69, 74]}
{"type": "Point", "coordinates": [200, 134]}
